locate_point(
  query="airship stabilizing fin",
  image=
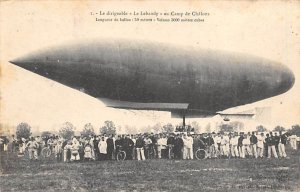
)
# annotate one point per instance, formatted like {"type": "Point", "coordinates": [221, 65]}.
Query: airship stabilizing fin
{"type": "Point", "coordinates": [144, 106]}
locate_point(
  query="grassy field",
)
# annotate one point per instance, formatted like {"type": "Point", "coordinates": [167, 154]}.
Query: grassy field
{"type": "Point", "coordinates": [18, 174]}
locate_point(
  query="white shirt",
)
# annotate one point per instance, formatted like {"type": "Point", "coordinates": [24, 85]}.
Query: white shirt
{"type": "Point", "coordinates": [32, 145]}
{"type": "Point", "coordinates": [75, 145]}
{"type": "Point", "coordinates": [162, 141]}
{"type": "Point", "coordinates": [234, 141]}
{"type": "Point", "coordinates": [293, 137]}
{"type": "Point", "coordinates": [147, 141]}
{"type": "Point", "coordinates": [217, 139]}
{"type": "Point", "coordinates": [246, 141]}
{"type": "Point", "coordinates": [260, 141]}
{"type": "Point", "coordinates": [188, 142]}
{"type": "Point", "coordinates": [102, 146]}
{"type": "Point", "coordinates": [224, 140]}
{"type": "Point", "coordinates": [133, 140]}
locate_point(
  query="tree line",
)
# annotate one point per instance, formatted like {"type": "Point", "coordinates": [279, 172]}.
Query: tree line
{"type": "Point", "coordinates": [67, 130]}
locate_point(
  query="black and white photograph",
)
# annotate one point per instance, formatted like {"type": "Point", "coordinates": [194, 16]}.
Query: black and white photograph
{"type": "Point", "coordinates": [149, 95]}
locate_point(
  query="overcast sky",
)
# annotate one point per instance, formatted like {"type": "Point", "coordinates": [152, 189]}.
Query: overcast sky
{"type": "Point", "coordinates": [265, 29]}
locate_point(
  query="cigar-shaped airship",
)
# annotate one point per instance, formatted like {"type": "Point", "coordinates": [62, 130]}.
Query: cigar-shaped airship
{"type": "Point", "coordinates": [154, 76]}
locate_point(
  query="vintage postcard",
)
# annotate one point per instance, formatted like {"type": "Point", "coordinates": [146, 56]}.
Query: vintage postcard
{"type": "Point", "coordinates": [149, 95]}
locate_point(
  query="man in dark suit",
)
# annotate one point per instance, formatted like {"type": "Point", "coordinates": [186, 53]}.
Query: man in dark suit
{"type": "Point", "coordinates": [110, 147]}
{"type": "Point", "coordinates": [270, 140]}
{"type": "Point", "coordinates": [178, 145]}
{"type": "Point", "coordinates": [276, 140]}
{"type": "Point", "coordinates": [281, 145]}
{"type": "Point", "coordinates": [128, 146]}
{"type": "Point", "coordinates": [253, 144]}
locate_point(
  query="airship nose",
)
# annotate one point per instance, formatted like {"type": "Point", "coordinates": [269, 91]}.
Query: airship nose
{"type": "Point", "coordinates": [15, 62]}
{"type": "Point", "coordinates": [26, 63]}
{"type": "Point", "coordinates": [20, 62]}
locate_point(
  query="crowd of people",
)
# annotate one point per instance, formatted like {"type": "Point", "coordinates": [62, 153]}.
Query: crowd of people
{"type": "Point", "coordinates": [156, 146]}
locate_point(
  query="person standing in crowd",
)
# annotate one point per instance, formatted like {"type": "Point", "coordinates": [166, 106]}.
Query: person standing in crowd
{"type": "Point", "coordinates": [64, 150]}
{"type": "Point", "coordinates": [1, 144]}
{"type": "Point", "coordinates": [198, 142]}
{"type": "Point", "coordinates": [39, 140]}
{"type": "Point", "coordinates": [110, 147]}
{"type": "Point", "coordinates": [140, 148]}
{"type": "Point", "coordinates": [118, 145]}
{"type": "Point", "coordinates": [74, 150]}
{"type": "Point", "coordinates": [223, 146]}
{"type": "Point", "coordinates": [281, 145]}
{"type": "Point", "coordinates": [271, 145]}
{"type": "Point", "coordinates": [22, 146]}
{"type": "Point", "coordinates": [90, 140]}
{"type": "Point", "coordinates": [67, 151]}
{"type": "Point", "coordinates": [183, 136]}
{"type": "Point", "coordinates": [102, 146]}
{"type": "Point", "coordinates": [128, 146]}
{"type": "Point", "coordinates": [246, 143]}
{"type": "Point", "coordinates": [5, 143]}
{"type": "Point", "coordinates": [217, 140]}
{"type": "Point", "coordinates": [161, 145]}
{"type": "Point", "coordinates": [115, 147]}
{"type": "Point", "coordinates": [241, 146]}
{"type": "Point", "coordinates": [178, 145]}
{"type": "Point", "coordinates": [164, 150]}
{"type": "Point", "coordinates": [133, 139]}
{"type": "Point", "coordinates": [148, 143]}
{"type": "Point", "coordinates": [94, 142]}
{"type": "Point", "coordinates": [185, 146]}
{"type": "Point", "coordinates": [154, 144]}
{"type": "Point", "coordinates": [50, 143]}
{"type": "Point", "coordinates": [14, 143]}
{"type": "Point", "coordinates": [88, 152]}
{"type": "Point", "coordinates": [276, 140]}
{"type": "Point", "coordinates": [118, 141]}
{"type": "Point", "coordinates": [189, 147]}
{"type": "Point", "coordinates": [81, 149]}
{"type": "Point", "coordinates": [170, 143]}
{"type": "Point", "coordinates": [253, 144]}
{"type": "Point", "coordinates": [32, 146]}
{"type": "Point", "coordinates": [226, 137]}
{"type": "Point", "coordinates": [260, 145]}
{"type": "Point", "coordinates": [210, 143]}
{"type": "Point", "coordinates": [234, 146]}
{"type": "Point", "coordinates": [293, 141]}
{"type": "Point", "coordinates": [58, 151]}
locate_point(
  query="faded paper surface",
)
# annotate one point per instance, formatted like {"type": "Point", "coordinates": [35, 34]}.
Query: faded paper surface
{"type": "Point", "coordinates": [268, 29]}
